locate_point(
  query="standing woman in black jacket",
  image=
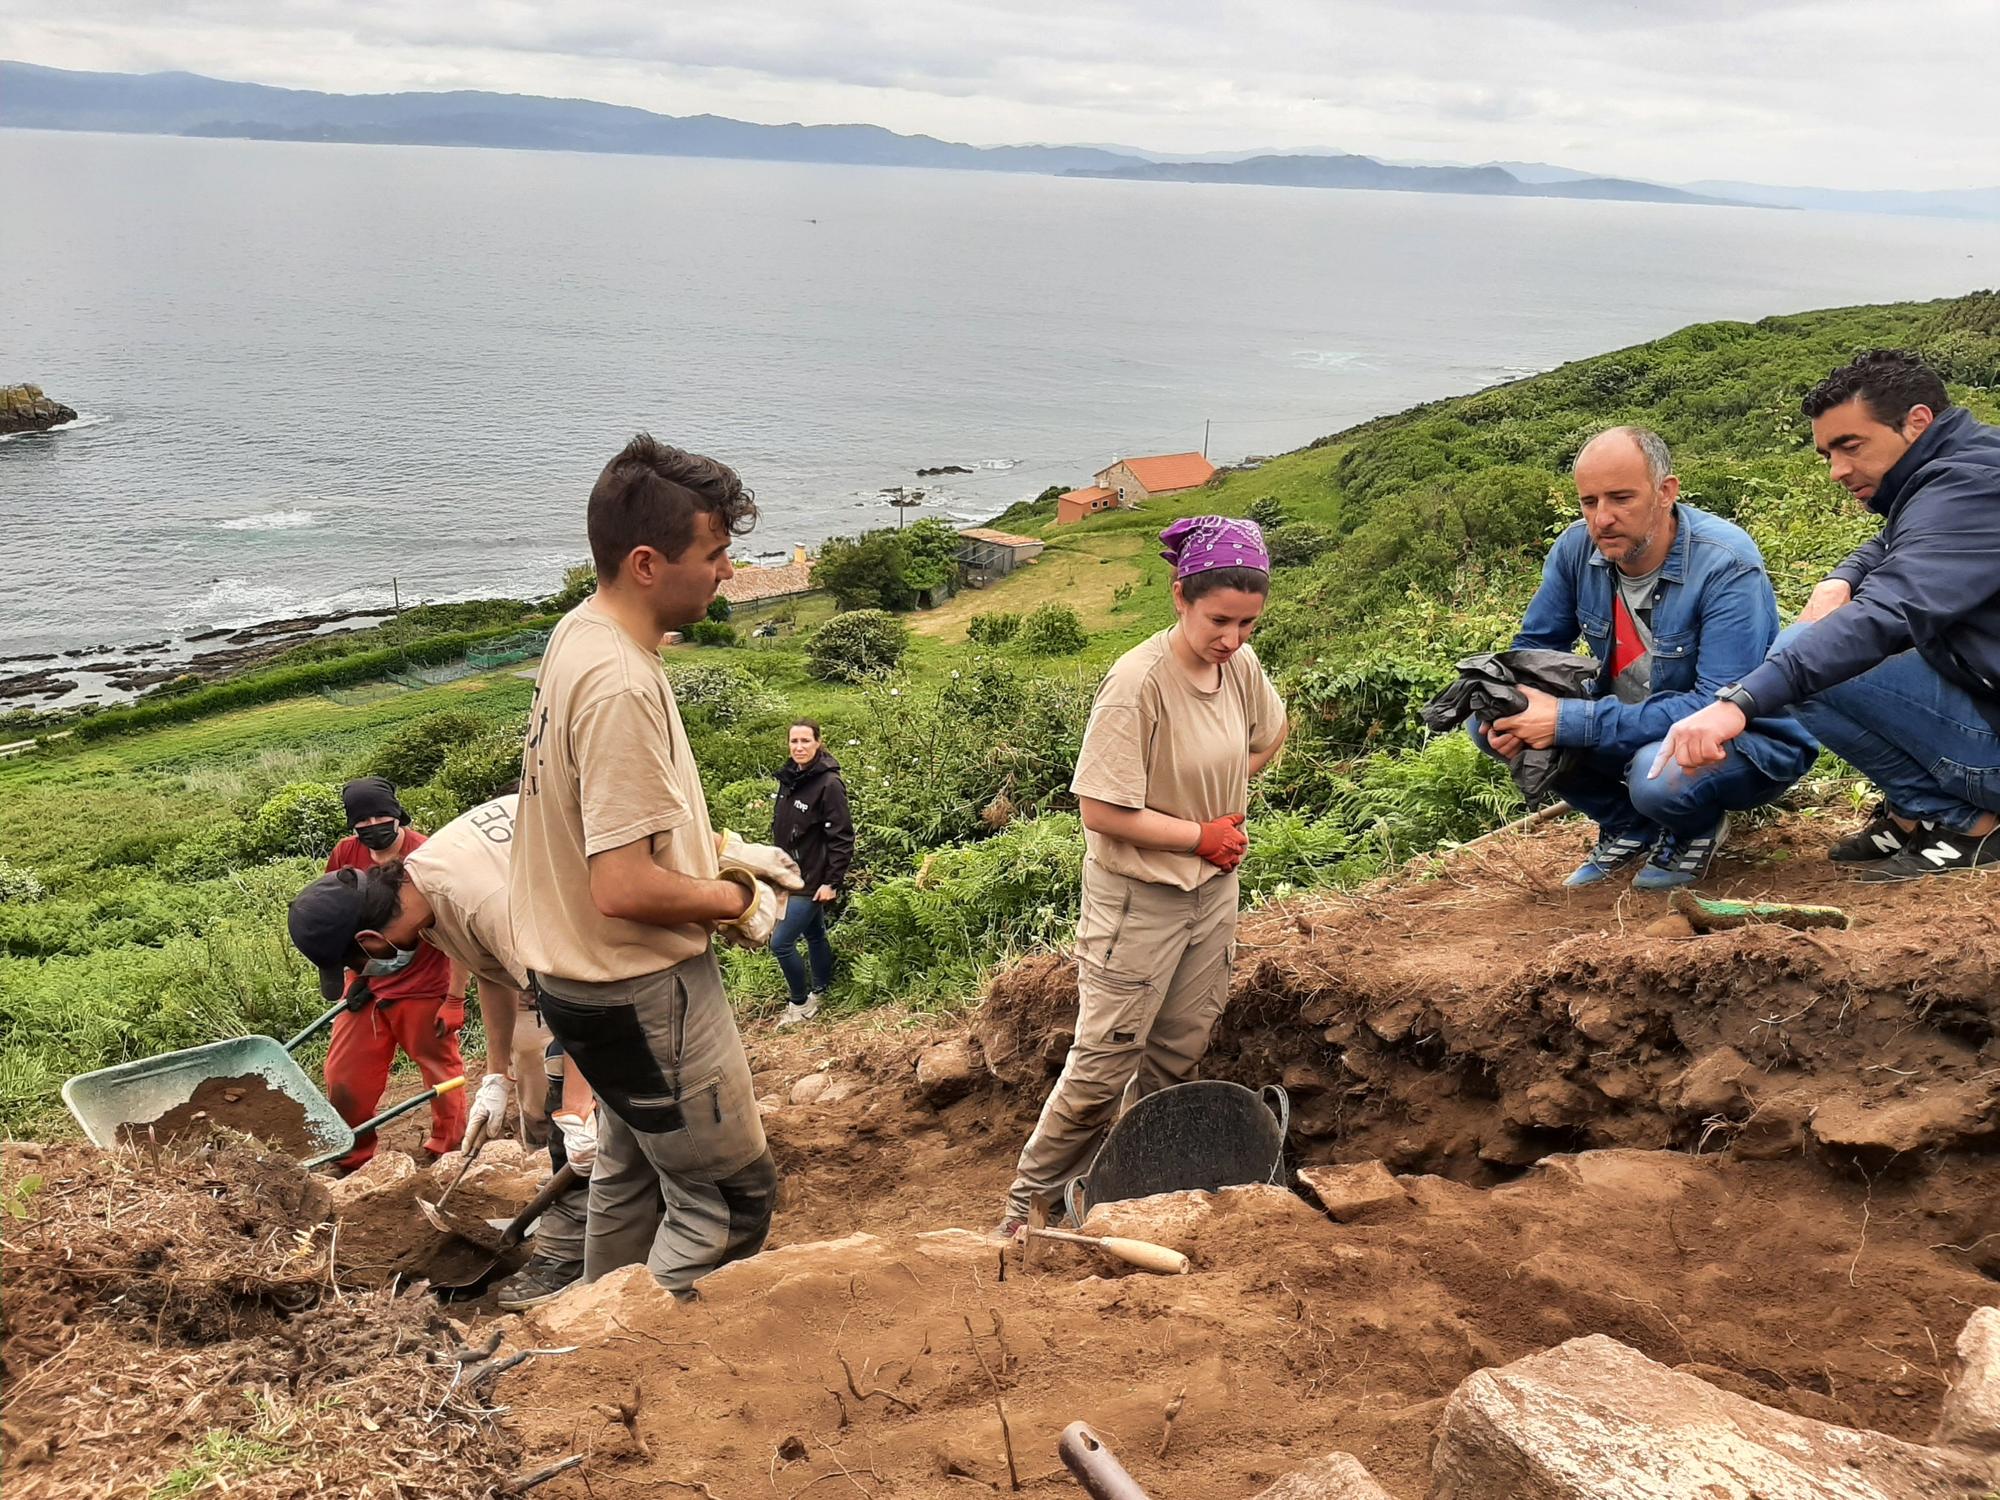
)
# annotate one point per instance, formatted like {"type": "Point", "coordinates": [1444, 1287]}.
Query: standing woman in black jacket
{"type": "Point", "coordinates": [811, 823]}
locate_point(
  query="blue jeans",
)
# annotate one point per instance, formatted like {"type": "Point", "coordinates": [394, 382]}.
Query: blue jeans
{"type": "Point", "coordinates": [1920, 738]}
{"type": "Point", "coordinates": [1616, 793]}
{"type": "Point", "coordinates": [807, 919]}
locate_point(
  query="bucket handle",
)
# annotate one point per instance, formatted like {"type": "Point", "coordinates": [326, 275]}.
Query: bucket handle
{"type": "Point", "coordinates": [1076, 1201]}
{"type": "Point", "coordinates": [1280, 1104]}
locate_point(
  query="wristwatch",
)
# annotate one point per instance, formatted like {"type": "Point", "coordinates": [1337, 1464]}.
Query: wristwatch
{"type": "Point", "coordinates": [1733, 693]}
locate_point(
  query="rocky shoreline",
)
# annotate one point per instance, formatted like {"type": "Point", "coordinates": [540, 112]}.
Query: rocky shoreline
{"type": "Point", "coordinates": [130, 670]}
{"type": "Point", "coordinates": [23, 408]}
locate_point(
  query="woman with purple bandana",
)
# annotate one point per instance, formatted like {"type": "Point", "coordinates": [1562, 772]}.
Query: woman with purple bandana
{"type": "Point", "coordinates": [1179, 726]}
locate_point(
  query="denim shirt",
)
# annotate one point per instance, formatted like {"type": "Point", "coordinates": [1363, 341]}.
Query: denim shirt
{"type": "Point", "coordinates": [1714, 617]}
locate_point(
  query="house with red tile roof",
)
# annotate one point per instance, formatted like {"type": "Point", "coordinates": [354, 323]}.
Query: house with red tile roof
{"type": "Point", "coordinates": [1132, 480]}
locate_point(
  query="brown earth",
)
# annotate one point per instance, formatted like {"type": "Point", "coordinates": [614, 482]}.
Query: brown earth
{"type": "Point", "coordinates": [247, 1103]}
{"type": "Point", "coordinates": [1764, 1156]}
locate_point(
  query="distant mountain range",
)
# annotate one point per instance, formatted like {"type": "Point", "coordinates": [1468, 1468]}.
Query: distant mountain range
{"type": "Point", "coordinates": [1367, 172]}
{"type": "Point", "coordinates": [34, 97]}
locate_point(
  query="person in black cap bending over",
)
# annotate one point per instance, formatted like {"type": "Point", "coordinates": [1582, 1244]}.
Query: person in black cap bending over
{"type": "Point", "coordinates": [413, 998]}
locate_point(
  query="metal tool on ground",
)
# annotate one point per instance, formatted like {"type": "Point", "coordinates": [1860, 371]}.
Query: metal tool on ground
{"type": "Point", "coordinates": [139, 1092]}
{"type": "Point", "coordinates": [1705, 914]}
{"type": "Point", "coordinates": [475, 1142]}
{"type": "Point", "coordinates": [393, 1112]}
{"type": "Point", "coordinates": [493, 1235]}
{"type": "Point", "coordinates": [1141, 1253]}
{"type": "Point", "coordinates": [1096, 1467]}
{"type": "Point", "coordinates": [1204, 1135]}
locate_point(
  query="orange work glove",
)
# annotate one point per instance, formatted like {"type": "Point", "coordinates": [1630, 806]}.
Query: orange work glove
{"type": "Point", "coordinates": [1223, 841]}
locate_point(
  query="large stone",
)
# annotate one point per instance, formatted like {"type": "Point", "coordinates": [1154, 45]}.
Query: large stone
{"type": "Point", "coordinates": [1940, 1115]}
{"type": "Point", "coordinates": [1594, 1420]}
{"type": "Point", "coordinates": [948, 1071]}
{"type": "Point", "coordinates": [1972, 1406]}
{"type": "Point", "coordinates": [504, 1165]}
{"type": "Point", "coordinates": [627, 1298]}
{"type": "Point", "coordinates": [23, 408]}
{"type": "Point", "coordinates": [381, 1173]}
{"type": "Point", "coordinates": [809, 1088]}
{"type": "Point", "coordinates": [1714, 1084]}
{"type": "Point", "coordinates": [1184, 1221]}
{"type": "Point", "coordinates": [1353, 1192]}
{"type": "Point", "coordinates": [1338, 1476]}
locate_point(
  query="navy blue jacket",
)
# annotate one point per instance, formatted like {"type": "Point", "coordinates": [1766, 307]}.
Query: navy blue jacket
{"type": "Point", "coordinates": [1930, 579]}
{"type": "Point", "coordinates": [1714, 617]}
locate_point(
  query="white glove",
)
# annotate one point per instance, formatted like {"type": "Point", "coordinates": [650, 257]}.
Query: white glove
{"type": "Point", "coordinates": [579, 1141]}
{"type": "Point", "coordinates": [765, 861]}
{"type": "Point", "coordinates": [760, 919]}
{"type": "Point", "coordinates": [489, 1105]}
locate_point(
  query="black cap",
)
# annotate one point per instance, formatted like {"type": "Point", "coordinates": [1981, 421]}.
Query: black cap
{"type": "Point", "coordinates": [371, 797]}
{"type": "Point", "coordinates": [325, 916]}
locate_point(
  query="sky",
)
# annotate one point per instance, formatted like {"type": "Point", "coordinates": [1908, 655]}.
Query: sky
{"type": "Point", "coordinates": [1845, 93]}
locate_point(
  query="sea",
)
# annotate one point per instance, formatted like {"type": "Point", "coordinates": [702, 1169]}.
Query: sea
{"type": "Point", "coordinates": [317, 378]}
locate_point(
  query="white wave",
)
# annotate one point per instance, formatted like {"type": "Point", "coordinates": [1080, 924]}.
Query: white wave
{"type": "Point", "coordinates": [1328, 359]}
{"type": "Point", "coordinates": [273, 520]}
{"type": "Point", "coordinates": [237, 601]}
{"type": "Point", "coordinates": [997, 463]}
{"type": "Point", "coordinates": [83, 419]}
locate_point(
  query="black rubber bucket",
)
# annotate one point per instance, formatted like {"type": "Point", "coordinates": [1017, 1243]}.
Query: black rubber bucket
{"type": "Point", "coordinates": [1204, 1135]}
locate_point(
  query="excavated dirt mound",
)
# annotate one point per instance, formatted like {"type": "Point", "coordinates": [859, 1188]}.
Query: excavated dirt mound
{"type": "Point", "coordinates": [1470, 1023]}
{"type": "Point", "coordinates": [248, 1104]}
{"type": "Point", "coordinates": [172, 1325]}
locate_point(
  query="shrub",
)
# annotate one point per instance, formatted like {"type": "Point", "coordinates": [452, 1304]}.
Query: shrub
{"type": "Point", "coordinates": [1052, 630]}
{"type": "Point", "coordinates": [993, 630]}
{"type": "Point", "coordinates": [719, 610]}
{"type": "Point", "coordinates": [304, 818]}
{"type": "Point", "coordinates": [856, 646]}
{"type": "Point", "coordinates": [215, 851]}
{"type": "Point", "coordinates": [578, 584]}
{"type": "Point", "coordinates": [412, 752]}
{"type": "Point", "coordinates": [481, 769]}
{"type": "Point", "coordinates": [745, 807]}
{"type": "Point", "coordinates": [720, 693]}
{"type": "Point", "coordinates": [1297, 543]}
{"type": "Point", "coordinates": [18, 882]}
{"type": "Point", "coordinates": [710, 633]}
{"type": "Point", "coordinates": [1268, 512]}
{"type": "Point", "coordinates": [430, 806]}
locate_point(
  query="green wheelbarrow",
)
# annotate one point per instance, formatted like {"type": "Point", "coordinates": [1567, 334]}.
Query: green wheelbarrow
{"type": "Point", "coordinates": [137, 1093]}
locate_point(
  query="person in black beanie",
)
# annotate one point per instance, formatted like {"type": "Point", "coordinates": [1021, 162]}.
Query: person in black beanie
{"type": "Point", "coordinates": [414, 998]}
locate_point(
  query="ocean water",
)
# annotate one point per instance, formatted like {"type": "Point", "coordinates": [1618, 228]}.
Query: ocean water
{"type": "Point", "coordinates": [306, 371]}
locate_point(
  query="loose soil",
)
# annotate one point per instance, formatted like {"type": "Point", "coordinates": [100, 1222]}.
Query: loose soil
{"type": "Point", "coordinates": [1764, 1156]}
{"type": "Point", "coordinates": [247, 1103]}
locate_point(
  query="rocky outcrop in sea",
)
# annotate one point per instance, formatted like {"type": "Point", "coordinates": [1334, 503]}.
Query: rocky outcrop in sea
{"type": "Point", "coordinates": [23, 408]}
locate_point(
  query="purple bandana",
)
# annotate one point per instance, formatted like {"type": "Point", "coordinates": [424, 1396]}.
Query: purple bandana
{"type": "Point", "coordinates": [1201, 544]}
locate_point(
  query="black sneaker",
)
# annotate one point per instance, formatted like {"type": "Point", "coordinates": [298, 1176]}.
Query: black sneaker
{"type": "Point", "coordinates": [1682, 861]}
{"type": "Point", "coordinates": [537, 1282]}
{"type": "Point", "coordinates": [1881, 838]}
{"type": "Point", "coordinates": [1932, 850]}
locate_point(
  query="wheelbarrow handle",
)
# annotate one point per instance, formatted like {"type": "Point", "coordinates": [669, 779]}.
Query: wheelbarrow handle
{"type": "Point", "coordinates": [368, 1127]}
{"type": "Point", "coordinates": [1095, 1467]}
{"type": "Point", "coordinates": [325, 1019]}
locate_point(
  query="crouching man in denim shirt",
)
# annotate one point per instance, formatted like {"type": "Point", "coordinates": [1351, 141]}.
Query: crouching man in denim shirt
{"type": "Point", "coordinates": [1676, 604]}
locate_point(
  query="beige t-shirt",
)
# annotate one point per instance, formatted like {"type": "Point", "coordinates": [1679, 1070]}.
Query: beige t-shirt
{"type": "Point", "coordinates": [462, 871]}
{"type": "Point", "coordinates": [606, 763]}
{"type": "Point", "coordinates": [1157, 741]}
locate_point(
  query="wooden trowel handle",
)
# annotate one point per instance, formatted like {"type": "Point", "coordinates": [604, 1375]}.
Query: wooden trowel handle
{"type": "Point", "coordinates": [1141, 1253]}
{"type": "Point", "coordinates": [556, 1186]}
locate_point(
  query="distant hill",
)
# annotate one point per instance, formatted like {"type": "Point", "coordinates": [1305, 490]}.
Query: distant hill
{"type": "Point", "coordinates": [1948, 203]}
{"type": "Point", "coordinates": [189, 104]}
{"type": "Point", "coordinates": [1367, 172]}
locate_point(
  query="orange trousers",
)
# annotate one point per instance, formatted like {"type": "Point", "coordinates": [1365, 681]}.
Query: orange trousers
{"type": "Point", "coordinates": [357, 1069]}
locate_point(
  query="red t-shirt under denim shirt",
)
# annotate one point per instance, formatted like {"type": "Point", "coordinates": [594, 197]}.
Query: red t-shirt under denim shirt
{"type": "Point", "coordinates": [429, 973]}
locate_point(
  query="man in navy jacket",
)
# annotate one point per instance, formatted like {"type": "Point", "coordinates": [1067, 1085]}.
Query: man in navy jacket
{"type": "Point", "coordinates": [1895, 663]}
{"type": "Point", "coordinates": [1676, 603]}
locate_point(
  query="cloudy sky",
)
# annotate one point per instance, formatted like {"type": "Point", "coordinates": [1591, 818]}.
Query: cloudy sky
{"type": "Point", "coordinates": [1850, 93]}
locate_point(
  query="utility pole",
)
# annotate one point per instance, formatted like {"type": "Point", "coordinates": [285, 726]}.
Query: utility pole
{"type": "Point", "coordinates": [396, 594]}
{"type": "Point", "coordinates": [1204, 436]}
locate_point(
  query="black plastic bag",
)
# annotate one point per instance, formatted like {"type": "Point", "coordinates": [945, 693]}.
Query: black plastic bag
{"type": "Point", "coordinates": [1489, 688]}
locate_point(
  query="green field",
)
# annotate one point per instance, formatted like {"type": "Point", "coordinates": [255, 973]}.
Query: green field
{"type": "Point", "coordinates": [144, 872]}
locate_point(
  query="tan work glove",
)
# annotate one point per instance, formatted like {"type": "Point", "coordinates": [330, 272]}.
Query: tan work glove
{"type": "Point", "coordinates": [760, 919]}
{"type": "Point", "coordinates": [767, 862]}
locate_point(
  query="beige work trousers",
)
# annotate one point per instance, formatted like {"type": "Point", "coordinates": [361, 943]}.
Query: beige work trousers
{"type": "Point", "coordinates": [1152, 977]}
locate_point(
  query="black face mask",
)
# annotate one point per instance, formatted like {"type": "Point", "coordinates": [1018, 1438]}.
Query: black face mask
{"type": "Point", "coordinates": [379, 836]}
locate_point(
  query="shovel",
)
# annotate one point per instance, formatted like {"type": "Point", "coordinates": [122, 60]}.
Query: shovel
{"type": "Point", "coordinates": [474, 1143]}
{"type": "Point", "coordinates": [492, 1235]}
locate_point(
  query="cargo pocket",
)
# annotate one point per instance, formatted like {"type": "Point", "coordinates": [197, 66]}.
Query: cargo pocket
{"type": "Point", "coordinates": [716, 1129]}
{"type": "Point", "coordinates": [1115, 1011]}
{"type": "Point", "coordinates": [611, 1050]}
{"type": "Point", "coordinates": [1101, 923]}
